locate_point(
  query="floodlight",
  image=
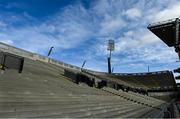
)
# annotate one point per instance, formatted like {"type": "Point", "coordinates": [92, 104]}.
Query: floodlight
{"type": "Point", "coordinates": [110, 45]}
{"type": "Point", "coordinates": [110, 48]}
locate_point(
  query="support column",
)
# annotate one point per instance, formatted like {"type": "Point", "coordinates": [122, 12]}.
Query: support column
{"type": "Point", "coordinates": [176, 43]}
{"type": "Point", "coordinates": [109, 65]}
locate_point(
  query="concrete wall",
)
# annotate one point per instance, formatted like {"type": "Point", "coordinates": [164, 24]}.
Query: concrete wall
{"type": "Point", "coordinates": [34, 56]}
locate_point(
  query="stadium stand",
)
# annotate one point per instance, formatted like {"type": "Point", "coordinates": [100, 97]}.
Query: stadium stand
{"type": "Point", "coordinates": [149, 81]}
{"type": "Point", "coordinates": [45, 89]}
{"type": "Point", "coordinates": [42, 91]}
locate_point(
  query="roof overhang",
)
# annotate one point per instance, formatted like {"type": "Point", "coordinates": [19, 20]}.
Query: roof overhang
{"type": "Point", "coordinates": [166, 31]}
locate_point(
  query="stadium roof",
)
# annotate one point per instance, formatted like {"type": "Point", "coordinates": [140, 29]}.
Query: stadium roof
{"type": "Point", "coordinates": [165, 31]}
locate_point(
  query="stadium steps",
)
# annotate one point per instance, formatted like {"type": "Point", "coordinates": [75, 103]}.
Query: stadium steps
{"type": "Point", "coordinates": [41, 91]}
{"type": "Point", "coordinates": [23, 111]}
{"type": "Point", "coordinates": [103, 111]}
{"type": "Point", "coordinates": [48, 105]}
{"type": "Point", "coordinates": [27, 82]}
{"type": "Point", "coordinates": [62, 111]}
{"type": "Point", "coordinates": [115, 112]}
{"type": "Point", "coordinates": [91, 112]}
{"type": "Point", "coordinates": [136, 113]}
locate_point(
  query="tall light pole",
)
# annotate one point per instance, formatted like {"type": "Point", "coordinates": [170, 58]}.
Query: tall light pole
{"type": "Point", "coordinates": [83, 65]}
{"type": "Point", "coordinates": [49, 53]}
{"type": "Point", "coordinates": [110, 48]}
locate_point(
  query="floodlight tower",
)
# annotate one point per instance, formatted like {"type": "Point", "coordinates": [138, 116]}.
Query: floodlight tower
{"type": "Point", "coordinates": [110, 48]}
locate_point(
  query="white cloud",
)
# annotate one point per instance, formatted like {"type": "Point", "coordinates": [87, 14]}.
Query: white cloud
{"type": "Point", "coordinates": [133, 13]}
{"type": "Point", "coordinates": [161, 10]}
{"type": "Point", "coordinates": [75, 27]}
{"type": "Point", "coordinates": [111, 26]}
{"type": "Point", "coordinates": [137, 38]}
{"type": "Point", "coordinates": [137, 44]}
{"type": "Point", "coordinates": [168, 13]}
{"type": "Point", "coordinates": [62, 30]}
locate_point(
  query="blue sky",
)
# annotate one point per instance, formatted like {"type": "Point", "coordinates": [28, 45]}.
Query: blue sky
{"type": "Point", "coordinates": [79, 30]}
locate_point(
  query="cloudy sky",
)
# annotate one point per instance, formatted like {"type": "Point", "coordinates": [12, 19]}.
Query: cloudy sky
{"type": "Point", "coordinates": [79, 30]}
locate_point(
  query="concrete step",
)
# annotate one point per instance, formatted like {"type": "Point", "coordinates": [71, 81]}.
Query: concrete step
{"type": "Point", "coordinates": [136, 112]}
{"type": "Point", "coordinates": [92, 114]}
{"type": "Point", "coordinates": [52, 90]}
{"type": "Point", "coordinates": [20, 99]}
{"type": "Point", "coordinates": [36, 103]}
{"type": "Point", "coordinates": [60, 96]}
{"type": "Point", "coordinates": [60, 91]}
{"type": "Point", "coordinates": [60, 111]}
{"type": "Point", "coordinates": [43, 65]}
{"type": "Point", "coordinates": [121, 114]}
{"type": "Point", "coordinates": [45, 93]}
{"type": "Point", "coordinates": [17, 108]}
{"type": "Point", "coordinates": [36, 91]}
{"type": "Point", "coordinates": [86, 112]}
{"type": "Point", "coordinates": [113, 112]}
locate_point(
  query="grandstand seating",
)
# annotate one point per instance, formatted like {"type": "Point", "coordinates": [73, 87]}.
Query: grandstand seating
{"type": "Point", "coordinates": [41, 90]}
{"type": "Point", "coordinates": [148, 81]}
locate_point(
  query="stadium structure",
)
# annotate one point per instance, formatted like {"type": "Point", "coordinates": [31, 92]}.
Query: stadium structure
{"type": "Point", "coordinates": [32, 85]}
